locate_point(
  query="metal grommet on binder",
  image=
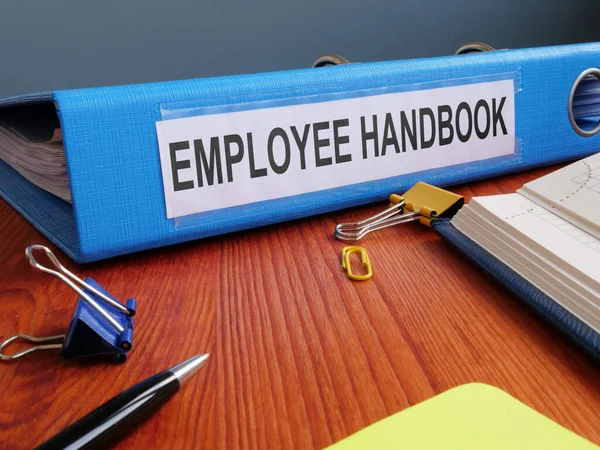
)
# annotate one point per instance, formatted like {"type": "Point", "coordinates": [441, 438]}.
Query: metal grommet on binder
{"type": "Point", "coordinates": [330, 60]}
{"type": "Point", "coordinates": [474, 47]}
{"type": "Point", "coordinates": [589, 74]}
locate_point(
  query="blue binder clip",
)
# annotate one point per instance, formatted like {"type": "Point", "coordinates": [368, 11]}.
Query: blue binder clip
{"type": "Point", "coordinates": [101, 326]}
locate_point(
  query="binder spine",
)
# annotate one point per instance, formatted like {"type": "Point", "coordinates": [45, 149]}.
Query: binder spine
{"type": "Point", "coordinates": [113, 153]}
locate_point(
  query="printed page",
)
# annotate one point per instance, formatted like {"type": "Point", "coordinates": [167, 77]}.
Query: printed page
{"type": "Point", "coordinates": [572, 192]}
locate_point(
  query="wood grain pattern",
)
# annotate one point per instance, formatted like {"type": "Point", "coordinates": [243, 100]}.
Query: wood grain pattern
{"type": "Point", "coordinates": [301, 355]}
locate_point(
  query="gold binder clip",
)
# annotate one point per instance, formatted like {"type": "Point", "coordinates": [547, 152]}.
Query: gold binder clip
{"type": "Point", "coordinates": [346, 252]}
{"type": "Point", "coordinates": [422, 202]}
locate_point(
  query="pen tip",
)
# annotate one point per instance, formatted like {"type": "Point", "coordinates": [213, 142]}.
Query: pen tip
{"type": "Point", "coordinates": [189, 367]}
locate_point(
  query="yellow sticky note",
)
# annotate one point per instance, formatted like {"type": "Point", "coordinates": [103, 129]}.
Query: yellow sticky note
{"type": "Point", "coordinates": [469, 417]}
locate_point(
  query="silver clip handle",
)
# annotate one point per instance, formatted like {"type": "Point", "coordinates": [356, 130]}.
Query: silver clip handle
{"type": "Point", "coordinates": [353, 231]}
{"type": "Point", "coordinates": [73, 281]}
{"type": "Point", "coordinates": [25, 337]}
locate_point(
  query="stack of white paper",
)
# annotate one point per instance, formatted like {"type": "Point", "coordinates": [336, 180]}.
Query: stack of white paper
{"type": "Point", "coordinates": [42, 163]}
{"type": "Point", "coordinates": [548, 233]}
{"type": "Point", "coordinates": [586, 101]}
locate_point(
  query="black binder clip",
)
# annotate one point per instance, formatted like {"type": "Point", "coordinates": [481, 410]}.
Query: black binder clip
{"type": "Point", "coordinates": [101, 326]}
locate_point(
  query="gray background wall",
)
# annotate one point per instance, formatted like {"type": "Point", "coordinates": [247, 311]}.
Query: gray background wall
{"type": "Point", "coordinates": [62, 44]}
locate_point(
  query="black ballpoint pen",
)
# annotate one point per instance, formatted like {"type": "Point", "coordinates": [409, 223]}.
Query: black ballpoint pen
{"type": "Point", "coordinates": [118, 416]}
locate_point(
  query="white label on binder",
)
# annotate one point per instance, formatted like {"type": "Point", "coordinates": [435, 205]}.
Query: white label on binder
{"type": "Point", "coordinates": [217, 161]}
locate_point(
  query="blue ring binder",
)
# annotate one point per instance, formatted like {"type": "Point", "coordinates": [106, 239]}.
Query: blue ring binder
{"type": "Point", "coordinates": [112, 156]}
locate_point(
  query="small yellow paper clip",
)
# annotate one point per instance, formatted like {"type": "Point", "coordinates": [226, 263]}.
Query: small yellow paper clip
{"type": "Point", "coordinates": [422, 202]}
{"type": "Point", "coordinates": [346, 252]}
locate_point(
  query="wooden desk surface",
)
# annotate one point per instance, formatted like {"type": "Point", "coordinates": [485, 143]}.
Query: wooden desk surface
{"type": "Point", "coordinates": [301, 355]}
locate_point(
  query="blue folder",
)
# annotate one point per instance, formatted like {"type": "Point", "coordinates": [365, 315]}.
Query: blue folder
{"type": "Point", "coordinates": [110, 138]}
